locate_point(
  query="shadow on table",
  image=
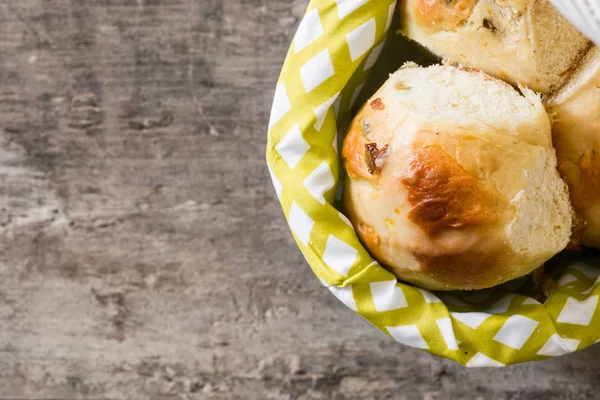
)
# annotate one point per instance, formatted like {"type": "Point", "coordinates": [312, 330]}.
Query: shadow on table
{"type": "Point", "coordinates": [580, 371]}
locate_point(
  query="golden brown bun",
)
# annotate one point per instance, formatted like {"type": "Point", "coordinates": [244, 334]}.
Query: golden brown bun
{"type": "Point", "coordinates": [524, 42]}
{"type": "Point", "coordinates": [452, 180]}
{"type": "Point", "coordinates": [576, 134]}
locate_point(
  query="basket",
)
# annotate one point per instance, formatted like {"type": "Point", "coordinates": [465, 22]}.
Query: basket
{"type": "Point", "coordinates": [341, 53]}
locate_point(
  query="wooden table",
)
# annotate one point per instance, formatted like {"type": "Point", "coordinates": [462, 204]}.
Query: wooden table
{"type": "Point", "coordinates": [143, 254]}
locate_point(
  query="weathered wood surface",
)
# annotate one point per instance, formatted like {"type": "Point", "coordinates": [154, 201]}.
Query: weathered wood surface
{"type": "Point", "coordinates": [143, 254]}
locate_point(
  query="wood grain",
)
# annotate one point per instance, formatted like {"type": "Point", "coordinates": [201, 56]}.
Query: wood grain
{"type": "Point", "coordinates": [143, 254]}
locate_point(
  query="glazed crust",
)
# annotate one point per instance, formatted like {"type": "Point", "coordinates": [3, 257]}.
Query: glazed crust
{"type": "Point", "coordinates": [435, 200]}
{"type": "Point", "coordinates": [524, 42]}
{"type": "Point", "coordinates": [444, 196]}
{"type": "Point", "coordinates": [438, 15]}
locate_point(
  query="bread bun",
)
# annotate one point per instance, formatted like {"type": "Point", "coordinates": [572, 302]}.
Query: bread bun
{"type": "Point", "coordinates": [452, 181]}
{"type": "Point", "coordinates": [576, 134]}
{"type": "Point", "coordinates": [521, 41]}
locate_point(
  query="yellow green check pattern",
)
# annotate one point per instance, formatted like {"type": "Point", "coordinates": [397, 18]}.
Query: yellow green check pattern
{"type": "Point", "coordinates": [333, 53]}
